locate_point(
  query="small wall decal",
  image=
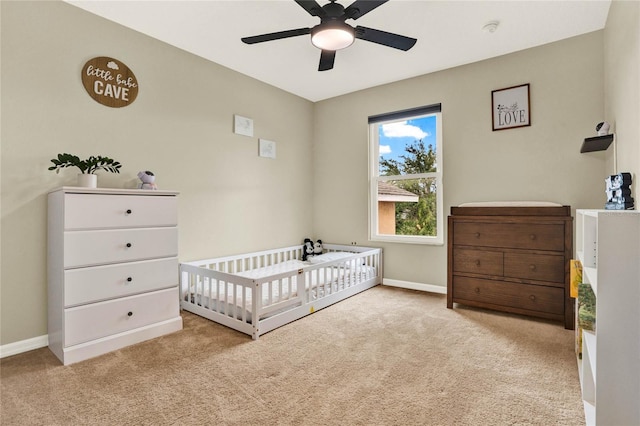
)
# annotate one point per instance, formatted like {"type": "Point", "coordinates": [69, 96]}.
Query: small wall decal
{"type": "Point", "coordinates": [242, 125]}
{"type": "Point", "coordinates": [109, 82]}
{"type": "Point", "coordinates": [267, 148]}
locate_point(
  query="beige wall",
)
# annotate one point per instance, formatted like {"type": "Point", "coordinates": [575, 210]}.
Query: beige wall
{"type": "Point", "coordinates": [231, 200]}
{"type": "Point", "coordinates": [540, 162]}
{"type": "Point", "coordinates": [179, 127]}
{"type": "Point", "coordinates": [622, 88]}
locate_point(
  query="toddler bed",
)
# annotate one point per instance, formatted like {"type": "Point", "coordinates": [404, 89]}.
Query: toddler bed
{"type": "Point", "coordinates": [255, 293]}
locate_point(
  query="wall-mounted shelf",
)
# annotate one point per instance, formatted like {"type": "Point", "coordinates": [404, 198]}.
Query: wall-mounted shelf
{"type": "Point", "coordinates": [596, 143]}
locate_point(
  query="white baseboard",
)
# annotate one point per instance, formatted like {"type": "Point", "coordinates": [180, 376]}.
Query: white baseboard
{"type": "Point", "coordinates": [431, 288]}
{"type": "Point", "coordinates": [16, 348]}
{"type": "Point", "coordinates": [93, 348]}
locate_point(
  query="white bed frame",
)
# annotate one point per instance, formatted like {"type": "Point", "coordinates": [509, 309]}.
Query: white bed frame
{"type": "Point", "coordinates": [219, 289]}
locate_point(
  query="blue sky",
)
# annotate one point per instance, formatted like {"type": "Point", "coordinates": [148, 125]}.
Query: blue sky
{"type": "Point", "coordinates": [394, 137]}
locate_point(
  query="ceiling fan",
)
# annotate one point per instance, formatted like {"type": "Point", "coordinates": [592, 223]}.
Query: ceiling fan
{"type": "Point", "coordinates": [333, 33]}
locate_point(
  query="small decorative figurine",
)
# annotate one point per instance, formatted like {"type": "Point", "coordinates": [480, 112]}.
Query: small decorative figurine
{"type": "Point", "coordinates": [148, 179]}
{"type": "Point", "coordinates": [618, 189]}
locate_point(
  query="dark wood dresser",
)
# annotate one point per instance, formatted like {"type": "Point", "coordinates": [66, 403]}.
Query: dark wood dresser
{"type": "Point", "coordinates": [511, 259]}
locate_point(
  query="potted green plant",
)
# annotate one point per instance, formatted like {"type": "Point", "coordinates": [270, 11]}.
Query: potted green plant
{"type": "Point", "coordinates": [88, 167]}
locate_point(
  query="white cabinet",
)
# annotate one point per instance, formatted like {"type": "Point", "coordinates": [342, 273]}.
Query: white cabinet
{"type": "Point", "coordinates": [112, 269]}
{"type": "Point", "coordinates": [608, 245]}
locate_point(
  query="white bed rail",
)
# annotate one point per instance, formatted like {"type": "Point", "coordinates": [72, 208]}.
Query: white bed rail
{"type": "Point", "coordinates": [246, 262]}
{"type": "Point", "coordinates": [216, 291]}
{"type": "Point", "coordinates": [257, 292]}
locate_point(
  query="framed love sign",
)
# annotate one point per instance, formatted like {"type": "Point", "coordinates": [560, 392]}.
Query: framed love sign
{"type": "Point", "coordinates": [511, 107]}
{"type": "Point", "coordinates": [109, 82]}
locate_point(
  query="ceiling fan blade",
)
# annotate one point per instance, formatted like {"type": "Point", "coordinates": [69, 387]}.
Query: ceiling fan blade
{"type": "Point", "coordinates": [312, 7]}
{"type": "Point", "coordinates": [327, 57]}
{"type": "Point", "coordinates": [276, 36]}
{"type": "Point", "coordinates": [362, 7]}
{"type": "Point", "coordinates": [386, 39]}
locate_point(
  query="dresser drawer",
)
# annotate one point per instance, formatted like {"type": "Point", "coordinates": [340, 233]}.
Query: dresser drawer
{"type": "Point", "coordinates": [103, 211]}
{"type": "Point", "coordinates": [89, 322]}
{"type": "Point", "coordinates": [477, 261]}
{"type": "Point", "coordinates": [535, 267]}
{"type": "Point", "coordinates": [522, 296]}
{"type": "Point", "coordinates": [97, 283]}
{"type": "Point", "coordinates": [510, 235]}
{"type": "Point", "coordinates": [90, 248]}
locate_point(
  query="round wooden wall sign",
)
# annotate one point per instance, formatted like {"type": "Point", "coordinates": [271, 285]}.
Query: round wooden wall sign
{"type": "Point", "coordinates": [109, 82]}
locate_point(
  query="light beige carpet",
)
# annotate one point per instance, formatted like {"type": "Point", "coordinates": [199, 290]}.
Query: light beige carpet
{"type": "Point", "coordinates": [384, 357]}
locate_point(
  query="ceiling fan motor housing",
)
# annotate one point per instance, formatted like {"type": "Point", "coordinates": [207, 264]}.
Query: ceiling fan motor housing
{"type": "Point", "coordinates": [332, 34]}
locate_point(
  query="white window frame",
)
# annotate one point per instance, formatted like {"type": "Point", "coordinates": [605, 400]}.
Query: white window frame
{"type": "Point", "coordinates": [374, 178]}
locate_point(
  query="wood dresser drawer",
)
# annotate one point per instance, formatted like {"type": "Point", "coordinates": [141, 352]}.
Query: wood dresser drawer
{"type": "Point", "coordinates": [510, 235]}
{"type": "Point", "coordinates": [540, 267]}
{"type": "Point", "coordinates": [93, 321]}
{"type": "Point", "coordinates": [88, 285]}
{"type": "Point", "coordinates": [511, 258]}
{"type": "Point", "coordinates": [478, 261]}
{"type": "Point", "coordinates": [100, 211]}
{"type": "Point", "coordinates": [90, 248]}
{"type": "Point", "coordinates": [520, 296]}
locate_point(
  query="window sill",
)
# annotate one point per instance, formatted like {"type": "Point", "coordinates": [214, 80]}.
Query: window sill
{"type": "Point", "coordinates": [407, 239]}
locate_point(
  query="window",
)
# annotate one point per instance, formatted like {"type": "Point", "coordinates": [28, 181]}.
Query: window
{"type": "Point", "coordinates": [405, 167]}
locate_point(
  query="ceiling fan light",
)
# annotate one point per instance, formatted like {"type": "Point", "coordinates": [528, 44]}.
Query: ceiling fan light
{"type": "Point", "coordinates": [332, 37]}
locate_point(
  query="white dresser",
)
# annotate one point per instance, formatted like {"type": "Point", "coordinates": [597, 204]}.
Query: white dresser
{"type": "Point", "coordinates": [112, 269]}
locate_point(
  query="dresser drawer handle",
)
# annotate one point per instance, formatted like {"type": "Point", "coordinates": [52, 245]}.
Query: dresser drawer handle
{"type": "Point", "coordinates": [532, 267]}
{"type": "Point", "coordinates": [477, 289]}
{"type": "Point", "coordinates": [129, 279]}
{"type": "Point", "coordinates": [478, 262]}
{"type": "Point", "coordinates": [532, 297]}
{"type": "Point", "coordinates": [129, 314]}
{"type": "Point", "coordinates": [477, 235]}
{"type": "Point", "coordinates": [532, 237]}
{"type": "Point", "coordinates": [129, 211]}
{"type": "Point", "coordinates": [129, 245]}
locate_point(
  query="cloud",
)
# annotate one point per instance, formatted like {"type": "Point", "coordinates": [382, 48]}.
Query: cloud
{"type": "Point", "coordinates": [113, 65]}
{"type": "Point", "coordinates": [401, 129]}
{"type": "Point", "coordinates": [385, 149]}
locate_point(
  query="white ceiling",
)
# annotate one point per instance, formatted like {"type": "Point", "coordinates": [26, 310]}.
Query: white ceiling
{"type": "Point", "coordinates": [449, 34]}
